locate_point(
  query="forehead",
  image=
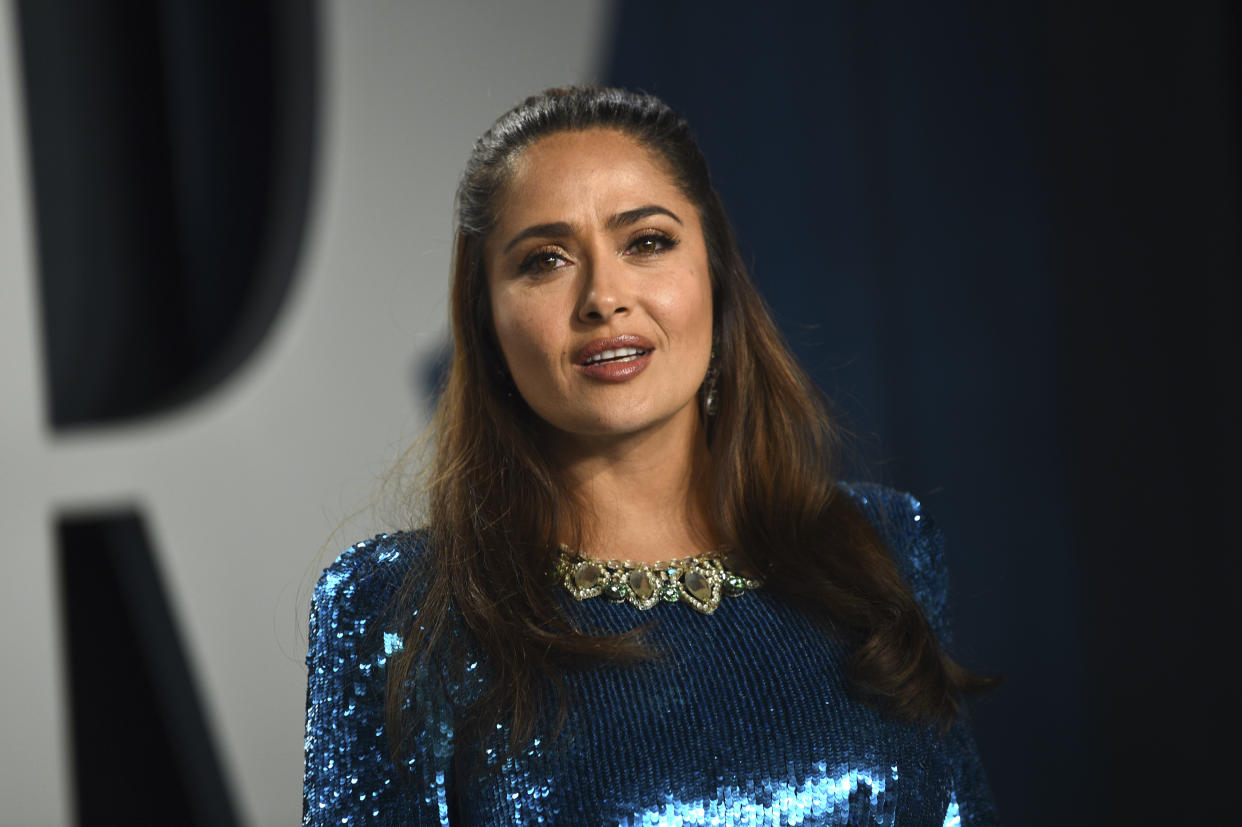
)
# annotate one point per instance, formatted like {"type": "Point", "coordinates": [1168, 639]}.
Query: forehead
{"type": "Point", "coordinates": [583, 170]}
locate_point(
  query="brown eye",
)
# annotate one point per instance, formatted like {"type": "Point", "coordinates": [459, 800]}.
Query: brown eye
{"type": "Point", "coordinates": [651, 244]}
{"type": "Point", "coordinates": [541, 261]}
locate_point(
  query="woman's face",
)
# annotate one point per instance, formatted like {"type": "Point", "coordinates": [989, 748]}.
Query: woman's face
{"type": "Point", "coordinates": [600, 291]}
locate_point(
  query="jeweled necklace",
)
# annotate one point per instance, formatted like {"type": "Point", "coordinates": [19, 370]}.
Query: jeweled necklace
{"type": "Point", "coordinates": [698, 581]}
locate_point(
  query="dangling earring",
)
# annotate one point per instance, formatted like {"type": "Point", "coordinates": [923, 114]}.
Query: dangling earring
{"type": "Point", "coordinates": [711, 403]}
{"type": "Point", "coordinates": [505, 380]}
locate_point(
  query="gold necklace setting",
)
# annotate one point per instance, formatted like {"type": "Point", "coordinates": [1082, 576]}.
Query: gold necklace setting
{"type": "Point", "coordinates": [701, 582]}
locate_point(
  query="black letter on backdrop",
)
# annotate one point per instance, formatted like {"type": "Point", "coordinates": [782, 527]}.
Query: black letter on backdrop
{"type": "Point", "coordinates": [171, 148]}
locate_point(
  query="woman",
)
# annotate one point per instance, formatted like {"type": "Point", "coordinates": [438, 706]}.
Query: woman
{"type": "Point", "coordinates": [642, 596]}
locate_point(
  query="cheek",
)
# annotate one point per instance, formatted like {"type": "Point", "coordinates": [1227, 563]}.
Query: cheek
{"type": "Point", "coordinates": [520, 332]}
{"type": "Point", "coordinates": [691, 306]}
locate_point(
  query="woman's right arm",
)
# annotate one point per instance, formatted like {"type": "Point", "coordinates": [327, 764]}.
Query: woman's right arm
{"type": "Point", "coordinates": [350, 776]}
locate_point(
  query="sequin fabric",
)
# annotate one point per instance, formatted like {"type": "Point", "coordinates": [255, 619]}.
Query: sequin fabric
{"type": "Point", "coordinates": [747, 719]}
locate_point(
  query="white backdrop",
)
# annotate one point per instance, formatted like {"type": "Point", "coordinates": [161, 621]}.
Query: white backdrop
{"type": "Point", "coordinates": [242, 490]}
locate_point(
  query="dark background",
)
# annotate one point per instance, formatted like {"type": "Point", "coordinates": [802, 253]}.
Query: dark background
{"type": "Point", "coordinates": [1004, 237]}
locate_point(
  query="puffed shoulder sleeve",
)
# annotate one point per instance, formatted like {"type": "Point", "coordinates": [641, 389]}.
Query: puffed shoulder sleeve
{"type": "Point", "coordinates": [918, 548]}
{"type": "Point", "coordinates": [350, 776]}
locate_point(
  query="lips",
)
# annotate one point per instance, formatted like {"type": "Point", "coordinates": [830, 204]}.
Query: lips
{"type": "Point", "coordinates": [614, 360]}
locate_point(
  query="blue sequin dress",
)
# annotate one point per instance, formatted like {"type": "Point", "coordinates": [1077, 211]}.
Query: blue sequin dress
{"type": "Point", "coordinates": [747, 719]}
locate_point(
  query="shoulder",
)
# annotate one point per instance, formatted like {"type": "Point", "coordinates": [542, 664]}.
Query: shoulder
{"type": "Point", "coordinates": [350, 642]}
{"type": "Point", "coordinates": [914, 541]}
{"type": "Point", "coordinates": [896, 515]}
{"type": "Point", "coordinates": [365, 578]}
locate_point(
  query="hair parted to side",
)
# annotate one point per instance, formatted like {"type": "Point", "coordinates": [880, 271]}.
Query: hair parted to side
{"type": "Point", "coordinates": [497, 508]}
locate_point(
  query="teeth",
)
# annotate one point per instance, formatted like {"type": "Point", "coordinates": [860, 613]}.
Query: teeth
{"type": "Point", "coordinates": [621, 353]}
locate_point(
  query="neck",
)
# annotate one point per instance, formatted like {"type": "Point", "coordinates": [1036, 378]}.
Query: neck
{"type": "Point", "coordinates": [639, 492]}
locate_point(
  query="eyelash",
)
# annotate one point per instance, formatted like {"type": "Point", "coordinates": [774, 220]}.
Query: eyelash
{"type": "Point", "coordinates": [530, 264]}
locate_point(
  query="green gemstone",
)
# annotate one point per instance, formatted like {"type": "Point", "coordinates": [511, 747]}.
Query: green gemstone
{"type": "Point", "coordinates": [670, 594]}
{"type": "Point", "coordinates": [734, 585]}
{"type": "Point", "coordinates": [615, 591]}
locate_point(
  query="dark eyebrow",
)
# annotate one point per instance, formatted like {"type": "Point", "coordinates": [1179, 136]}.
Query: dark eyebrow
{"type": "Point", "coordinates": [624, 219]}
{"type": "Point", "coordinates": [616, 222]}
{"type": "Point", "coordinates": [540, 231]}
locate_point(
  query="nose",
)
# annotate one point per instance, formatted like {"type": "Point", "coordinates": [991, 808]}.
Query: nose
{"type": "Point", "coordinates": [605, 292]}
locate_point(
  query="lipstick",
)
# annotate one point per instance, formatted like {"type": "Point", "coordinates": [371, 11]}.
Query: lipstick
{"type": "Point", "coordinates": [617, 359]}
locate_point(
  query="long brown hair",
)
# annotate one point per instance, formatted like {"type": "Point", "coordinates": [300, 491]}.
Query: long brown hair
{"type": "Point", "coordinates": [495, 504]}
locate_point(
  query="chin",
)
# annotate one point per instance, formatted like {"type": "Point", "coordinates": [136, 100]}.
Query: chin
{"type": "Point", "coordinates": [620, 423]}
{"type": "Point", "coordinates": [606, 428]}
